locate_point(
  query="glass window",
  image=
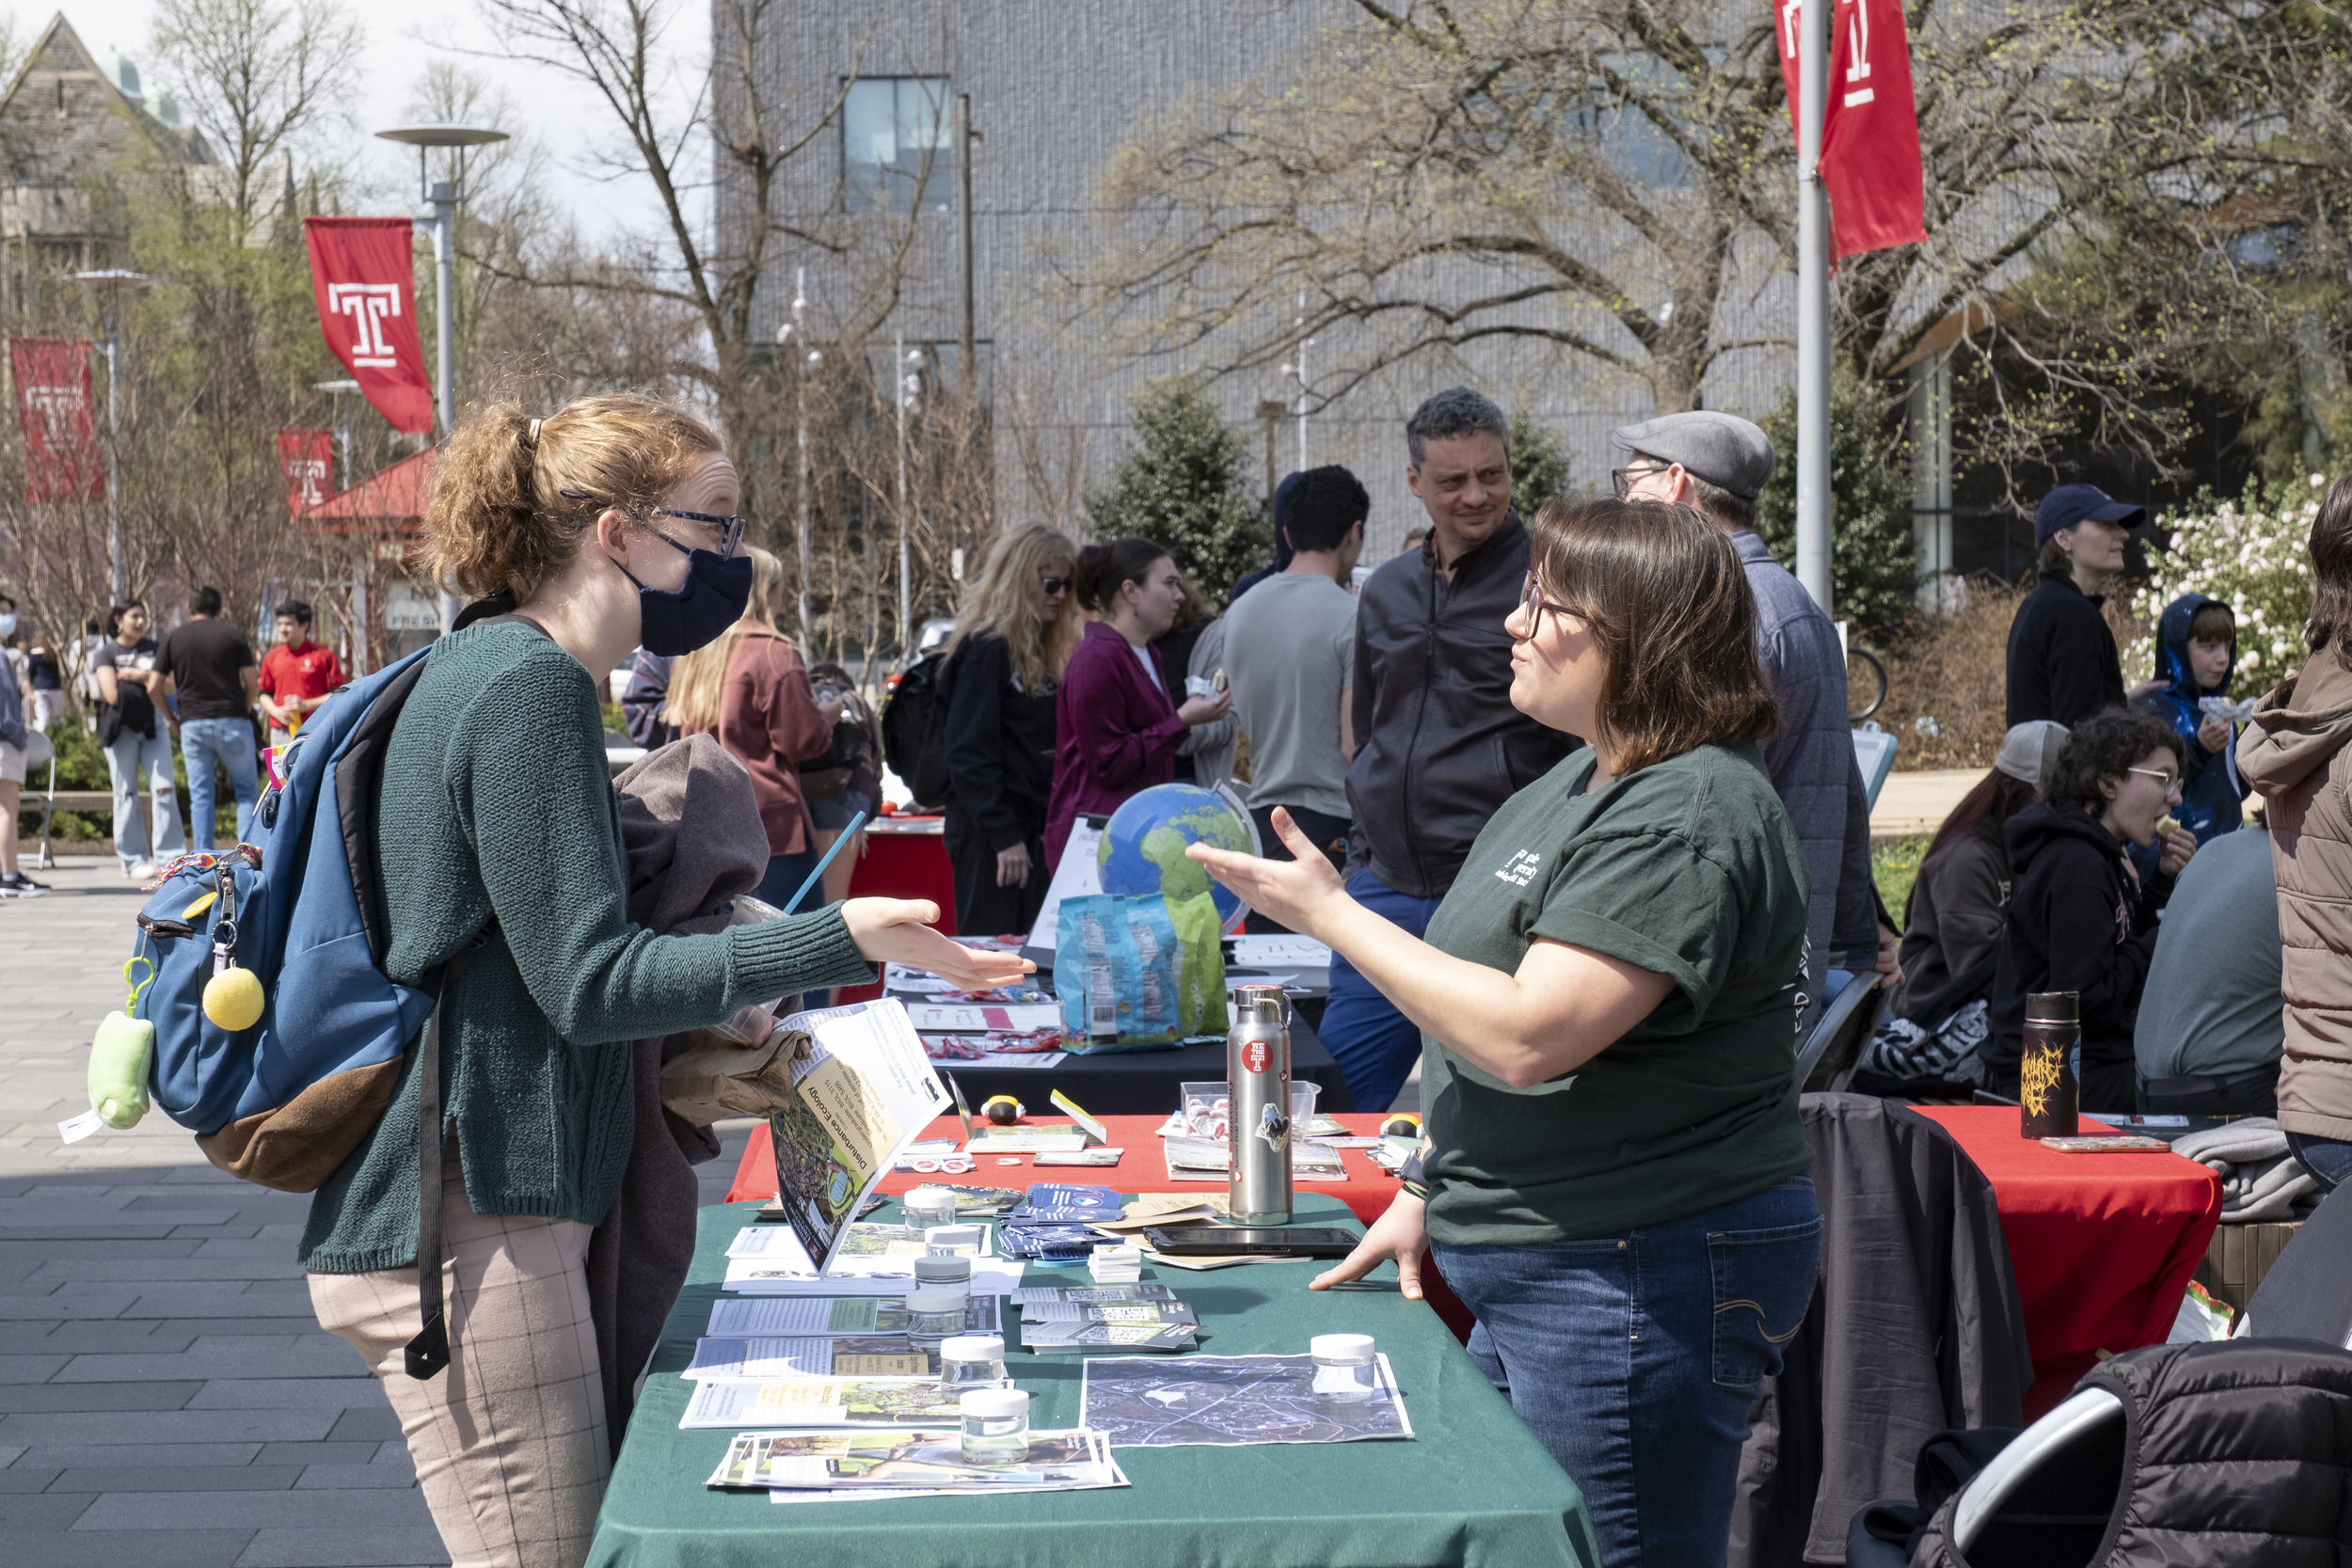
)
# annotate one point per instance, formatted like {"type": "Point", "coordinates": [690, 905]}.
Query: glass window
{"type": "Point", "coordinates": [896, 152]}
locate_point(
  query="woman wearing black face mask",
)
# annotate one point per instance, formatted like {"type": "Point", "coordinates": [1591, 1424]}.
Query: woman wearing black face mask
{"type": "Point", "coordinates": [606, 524]}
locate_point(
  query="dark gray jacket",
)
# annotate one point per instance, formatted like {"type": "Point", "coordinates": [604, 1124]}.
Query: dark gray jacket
{"type": "Point", "coordinates": [1915, 1327]}
{"type": "Point", "coordinates": [1440, 745]}
{"type": "Point", "coordinates": [1811, 759]}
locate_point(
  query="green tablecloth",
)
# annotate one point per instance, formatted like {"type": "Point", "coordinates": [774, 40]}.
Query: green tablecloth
{"type": "Point", "coordinates": [1474, 1488]}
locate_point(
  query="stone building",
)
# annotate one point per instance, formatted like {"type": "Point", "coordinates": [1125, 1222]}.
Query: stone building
{"type": "Point", "coordinates": [70, 134]}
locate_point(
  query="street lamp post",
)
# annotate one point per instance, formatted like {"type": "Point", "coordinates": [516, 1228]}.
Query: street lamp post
{"type": "Point", "coordinates": [114, 280]}
{"type": "Point", "coordinates": [444, 197]}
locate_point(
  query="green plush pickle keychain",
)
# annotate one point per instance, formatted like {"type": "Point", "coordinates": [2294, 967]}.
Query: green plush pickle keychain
{"type": "Point", "coordinates": [122, 1052]}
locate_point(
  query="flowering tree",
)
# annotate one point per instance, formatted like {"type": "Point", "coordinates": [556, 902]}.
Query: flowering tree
{"type": "Point", "coordinates": [2249, 554]}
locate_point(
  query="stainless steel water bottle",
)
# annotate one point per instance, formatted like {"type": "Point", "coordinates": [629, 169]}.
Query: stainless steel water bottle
{"type": "Point", "coordinates": [1257, 1086]}
{"type": "Point", "coordinates": [2047, 1093]}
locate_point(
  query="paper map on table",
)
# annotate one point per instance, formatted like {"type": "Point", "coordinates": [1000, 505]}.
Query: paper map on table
{"type": "Point", "coordinates": [827, 1402]}
{"type": "Point", "coordinates": [767, 1360]}
{"type": "Point", "coordinates": [796, 1317]}
{"type": "Point", "coordinates": [920, 1462]}
{"type": "Point", "coordinates": [864, 1239]}
{"type": "Point", "coordinates": [1229, 1401]}
{"type": "Point", "coordinates": [865, 1091]}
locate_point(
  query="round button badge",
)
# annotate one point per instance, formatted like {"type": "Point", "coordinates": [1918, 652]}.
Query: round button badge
{"type": "Point", "coordinates": [1253, 1057]}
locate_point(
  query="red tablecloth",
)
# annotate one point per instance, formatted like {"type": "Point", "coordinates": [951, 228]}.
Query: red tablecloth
{"type": "Point", "coordinates": [2102, 1244]}
{"type": "Point", "coordinates": [906, 857]}
{"type": "Point", "coordinates": [1366, 1192]}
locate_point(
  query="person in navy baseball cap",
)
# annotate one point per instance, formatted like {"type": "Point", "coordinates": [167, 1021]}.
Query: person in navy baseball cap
{"type": "Point", "coordinates": [2062, 663]}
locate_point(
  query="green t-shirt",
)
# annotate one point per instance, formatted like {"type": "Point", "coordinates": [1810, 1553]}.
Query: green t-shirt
{"type": "Point", "coordinates": [1687, 868]}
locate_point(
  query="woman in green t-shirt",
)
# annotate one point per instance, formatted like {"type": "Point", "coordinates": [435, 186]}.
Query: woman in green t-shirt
{"type": "Point", "coordinates": [1613, 1176]}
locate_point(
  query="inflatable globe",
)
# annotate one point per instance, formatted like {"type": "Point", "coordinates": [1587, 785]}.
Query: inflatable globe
{"type": "Point", "coordinates": [1143, 847]}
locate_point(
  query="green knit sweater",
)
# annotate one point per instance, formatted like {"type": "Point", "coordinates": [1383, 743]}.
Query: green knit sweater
{"type": "Point", "coordinates": [498, 805]}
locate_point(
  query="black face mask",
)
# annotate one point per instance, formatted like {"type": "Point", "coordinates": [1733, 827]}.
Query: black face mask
{"type": "Point", "coordinates": [674, 620]}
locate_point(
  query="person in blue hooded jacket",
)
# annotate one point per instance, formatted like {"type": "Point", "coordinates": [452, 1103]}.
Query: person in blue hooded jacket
{"type": "Point", "coordinates": [2196, 647]}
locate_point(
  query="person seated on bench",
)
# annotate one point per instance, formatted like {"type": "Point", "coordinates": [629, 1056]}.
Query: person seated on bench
{"type": "Point", "coordinates": [1952, 924]}
{"type": "Point", "coordinates": [2080, 918]}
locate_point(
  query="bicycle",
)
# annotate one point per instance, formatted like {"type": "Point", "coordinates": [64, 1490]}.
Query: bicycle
{"type": "Point", "coordinates": [1866, 683]}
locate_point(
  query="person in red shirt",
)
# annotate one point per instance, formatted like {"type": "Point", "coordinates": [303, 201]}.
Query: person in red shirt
{"type": "Point", "coordinates": [296, 674]}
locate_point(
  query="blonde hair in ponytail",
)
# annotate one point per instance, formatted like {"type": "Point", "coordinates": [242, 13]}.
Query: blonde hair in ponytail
{"type": "Point", "coordinates": [512, 496]}
{"type": "Point", "coordinates": [695, 679]}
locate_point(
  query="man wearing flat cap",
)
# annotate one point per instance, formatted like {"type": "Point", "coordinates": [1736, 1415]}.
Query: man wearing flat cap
{"type": "Point", "coordinates": [2062, 664]}
{"type": "Point", "coordinates": [1718, 463]}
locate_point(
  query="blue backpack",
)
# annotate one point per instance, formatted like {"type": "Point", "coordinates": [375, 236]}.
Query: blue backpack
{"type": "Point", "coordinates": [284, 1101]}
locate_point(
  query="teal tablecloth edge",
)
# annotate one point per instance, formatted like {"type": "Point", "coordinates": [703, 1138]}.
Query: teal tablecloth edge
{"type": "Point", "coordinates": [1473, 1489]}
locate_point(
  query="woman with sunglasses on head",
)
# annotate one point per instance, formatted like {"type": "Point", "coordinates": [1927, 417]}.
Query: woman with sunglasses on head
{"type": "Point", "coordinates": [603, 527]}
{"type": "Point", "coordinates": [2080, 918]}
{"type": "Point", "coordinates": [1613, 1176]}
{"type": "Point", "coordinates": [749, 688]}
{"type": "Point", "coordinates": [1121, 714]}
{"type": "Point", "coordinates": [1004, 672]}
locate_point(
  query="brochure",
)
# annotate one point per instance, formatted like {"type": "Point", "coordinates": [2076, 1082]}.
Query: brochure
{"type": "Point", "coordinates": [912, 1463]}
{"type": "Point", "coordinates": [767, 1360]}
{"type": "Point", "coordinates": [803, 1317]}
{"type": "Point", "coordinates": [1081, 1157]}
{"type": "Point", "coordinates": [1108, 1312]}
{"type": "Point", "coordinates": [1019, 1018]}
{"type": "Point", "coordinates": [1071, 1339]}
{"type": "Point", "coordinates": [1027, 1140]}
{"type": "Point", "coordinates": [828, 1402]}
{"type": "Point", "coordinates": [865, 1091]}
{"type": "Point", "coordinates": [1230, 1402]}
{"type": "Point", "coordinates": [862, 1241]}
{"type": "Point", "coordinates": [1039, 1293]}
{"type": "Point", "coordinates": [1209, 1160]}
{"type": "Point", "coordinates": [889, 1277]}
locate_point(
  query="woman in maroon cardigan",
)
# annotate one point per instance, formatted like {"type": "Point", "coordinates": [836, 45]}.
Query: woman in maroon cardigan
{"type": "Point", "coordinates": [1117, 725]}
{"type": "Point", "coordinates": [750, 690]}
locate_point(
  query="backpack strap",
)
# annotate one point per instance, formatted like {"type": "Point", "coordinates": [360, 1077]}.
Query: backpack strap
{"type": "Point", "coordinates": [427, 1354]}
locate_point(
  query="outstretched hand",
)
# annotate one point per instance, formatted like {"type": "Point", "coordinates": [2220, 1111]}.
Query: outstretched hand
{"type": "Point", "coordinates": [897, 930]}
{"type": "Point", "coordinates": [1396, 1237]}
{"type": "Point", "coordinates": [1296, 893]}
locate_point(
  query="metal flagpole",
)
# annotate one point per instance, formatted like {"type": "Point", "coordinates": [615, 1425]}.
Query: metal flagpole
{"type": "Point", "coordinates": [1813, 499]}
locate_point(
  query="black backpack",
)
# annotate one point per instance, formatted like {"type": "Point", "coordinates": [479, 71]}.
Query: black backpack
{"type": "Point", "coordinates": [914, 730]}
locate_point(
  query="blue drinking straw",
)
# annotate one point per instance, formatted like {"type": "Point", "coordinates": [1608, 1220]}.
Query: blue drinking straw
{"type": "Point", "coordinates": [847, 834]}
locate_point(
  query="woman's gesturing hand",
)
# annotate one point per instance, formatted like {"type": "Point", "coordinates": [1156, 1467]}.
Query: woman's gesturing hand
{"type": "Point", "coordinates": [1292, 892]}
{"type": "Point", "coordinates": [1396, 1237]}
{"type": "Point", "coordinates": [897, 930]}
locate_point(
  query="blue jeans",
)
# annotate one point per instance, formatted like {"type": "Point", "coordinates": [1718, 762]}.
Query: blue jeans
{"type": "Point", "coordinates": [141, 764]}
{"type": "Point", "coordinates": [2327, 1159]}
{"type": "Point", "coordinates": [1374, 1044]}
{"type": "Point", "coordinates": [1635, 1358]}
{"type": "Point", "coordinates": [786, 873]}
{"type": "Point", "coordinates": [229, 742]}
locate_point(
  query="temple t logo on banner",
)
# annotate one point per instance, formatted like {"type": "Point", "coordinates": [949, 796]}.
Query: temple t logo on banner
{"type": "Point", "coordinates": [368, 304]}
{"type": "Point", "coordinates": [62, 460]}
{"type": "Point", "coordinates": [307, 457]}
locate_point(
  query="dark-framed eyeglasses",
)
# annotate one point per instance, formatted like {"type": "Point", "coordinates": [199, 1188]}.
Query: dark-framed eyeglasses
{"type": "Point", "coordinates": [1533, 603]}
{"type": "Point", "coordinates": [1622, 479]}
{"type": "Point", "coordinates": [730, 527]}
{"type": "Point", "coordinates": [1051, 586]}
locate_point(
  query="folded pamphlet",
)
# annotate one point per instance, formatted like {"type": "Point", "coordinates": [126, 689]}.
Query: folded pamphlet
{"type": "Point", "coordinates": [767, 1360]}
{"type": "Point", "coordinates": [911, 1464]}
{"type": "Point", "coordinates": [806, 1317]}
{"type": "Point", "coordinates": [827, 1402]}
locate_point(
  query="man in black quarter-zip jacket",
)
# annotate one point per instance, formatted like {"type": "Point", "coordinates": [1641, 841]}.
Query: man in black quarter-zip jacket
{"type": "Point", "coordinates": [1440, 745]}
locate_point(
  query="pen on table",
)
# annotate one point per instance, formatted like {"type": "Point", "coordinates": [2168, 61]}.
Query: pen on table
{"type": "Point", "coordinates": [847, 834]}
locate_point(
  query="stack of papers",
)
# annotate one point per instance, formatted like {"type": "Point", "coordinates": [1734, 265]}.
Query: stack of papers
{"type": "Point", "coordinates": [1210, 1159]}
{"type": "Point", "coordinates": [909, 1464]}
{"type": "Point", "coordinates": [756, 1318]}
{"type": "Point", "coordinates": [1072, 1327]}
{"type": "Point", "coordinates": [769, 1360]}
{"type": "Point", "coordinates": [870, 1259]}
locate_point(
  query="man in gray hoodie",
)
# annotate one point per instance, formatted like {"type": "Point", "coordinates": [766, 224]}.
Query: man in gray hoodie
{"type": "Point", "coordinates": [1718, 463]}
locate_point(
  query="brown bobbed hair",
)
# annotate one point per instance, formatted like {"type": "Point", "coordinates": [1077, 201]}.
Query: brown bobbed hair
{"type": "Point", "coordinates": [500, 521]}
{"type": "Point", "coordinates": [2107, 745]}
{"type": "Point", "coordinates": [1668, 604]}
{"type": "Point", "coordinates": [2330, 547]}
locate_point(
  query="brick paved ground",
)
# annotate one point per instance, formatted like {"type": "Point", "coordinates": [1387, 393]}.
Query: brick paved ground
{"type": "Point", "coordinates": [165, 1397]}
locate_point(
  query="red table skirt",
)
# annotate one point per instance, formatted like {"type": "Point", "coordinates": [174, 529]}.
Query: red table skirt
{"type": "Point", "coordinates": [1366, 1192]}
{"type": "Point", "coordinates": [901, 864]}
{"type": "Point", "coordinates": [2102, 1245]}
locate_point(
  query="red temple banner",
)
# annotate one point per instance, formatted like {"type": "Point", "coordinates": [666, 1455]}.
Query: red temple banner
{"type": "Point", "coordinates": [365, 280]}
{"type": "Point", "coordinates": [306, 458]}
{"type": "Point", "coordinates": [62, 458]}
